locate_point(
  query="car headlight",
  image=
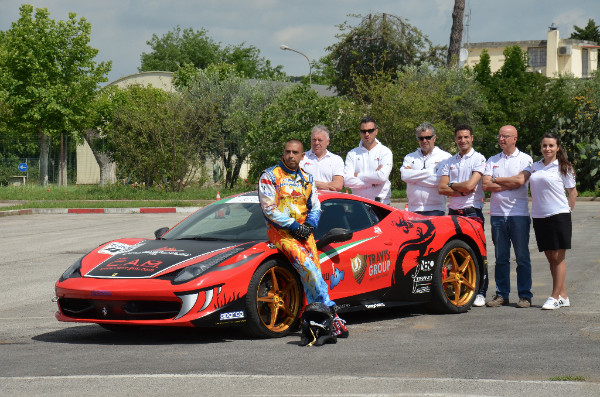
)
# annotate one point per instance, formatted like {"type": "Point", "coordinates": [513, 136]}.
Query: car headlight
{"type": "Point", "coordinates": [74, 271]}
{"type": "Point", "coordinates": [200, 268]}
{"type": "Point", "coordinates": [192, 272]}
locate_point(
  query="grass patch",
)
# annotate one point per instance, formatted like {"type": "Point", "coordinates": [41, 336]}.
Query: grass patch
{"type": "Point", "coordinates": [106, 204]}
{"type": "Point", "coordinates": [127, 196]}
{"type": "Point", "coordinates": [111, 192]}
{"type": "Point", "coordinates": [568, 378]}
{"type": "Point", "coordinates": [589, 193]}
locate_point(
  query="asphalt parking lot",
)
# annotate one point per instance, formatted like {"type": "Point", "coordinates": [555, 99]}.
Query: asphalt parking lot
{"type": "Point", "coordinates": [485, 352]}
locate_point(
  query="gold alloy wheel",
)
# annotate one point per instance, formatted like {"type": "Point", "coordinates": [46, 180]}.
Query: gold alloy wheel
{"type": "Point", "coordinates": [459, 276]}
{"type": "Point", "coordinates": [278, 299]}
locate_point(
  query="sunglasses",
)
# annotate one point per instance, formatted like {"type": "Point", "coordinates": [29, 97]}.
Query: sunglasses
{"type": "Point", "coordinates": [370, 131]}
{"type": "Point", "coordinates": [422, 138]}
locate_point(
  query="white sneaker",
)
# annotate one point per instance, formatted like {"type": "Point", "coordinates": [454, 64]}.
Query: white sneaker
{"type": "Point", "coordinates": [479, 301]}
{"type": "Point", "coordinates": [564, 302]}
{"type": "Point", "coordinates": [551, 304]}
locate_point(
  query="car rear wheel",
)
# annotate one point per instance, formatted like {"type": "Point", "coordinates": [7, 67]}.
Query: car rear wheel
{"type": "Point", "coordinates": [455, 278]}
{"type": "Point", "coordinates": [274, 300]}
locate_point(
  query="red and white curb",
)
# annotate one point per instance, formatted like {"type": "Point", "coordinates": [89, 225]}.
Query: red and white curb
{"type": "Point", "coordinates": [146, 210]}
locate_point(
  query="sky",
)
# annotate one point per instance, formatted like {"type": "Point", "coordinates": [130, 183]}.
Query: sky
{"type": "Point", "coordinates": [121, 28]}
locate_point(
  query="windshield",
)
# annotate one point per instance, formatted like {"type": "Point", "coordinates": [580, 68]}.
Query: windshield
{"type": "Point", "coordinates": [238, 219]}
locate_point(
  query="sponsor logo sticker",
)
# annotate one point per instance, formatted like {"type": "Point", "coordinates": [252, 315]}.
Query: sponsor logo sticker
{"type": "Point", "coordinates": [422, 282]}
{"type": "Point", "coordinates": [115, 248]}
{"type": "Point", "coordinates": [377, 265]}
{"type": "Point", "coordinates": [232, 315]}
{"type": "Point", "coordinates": [374, 305]}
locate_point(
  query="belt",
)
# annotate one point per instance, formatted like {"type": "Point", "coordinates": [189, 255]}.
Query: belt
{"type": "Point", "coordinates": [463, 211]}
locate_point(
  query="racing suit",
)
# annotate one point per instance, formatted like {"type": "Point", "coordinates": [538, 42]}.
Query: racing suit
{"type": "Point", "coordinates": [288, 199]}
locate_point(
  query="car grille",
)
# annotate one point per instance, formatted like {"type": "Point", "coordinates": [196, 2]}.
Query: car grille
{"type": "Point", "coordinates": [118, 310]}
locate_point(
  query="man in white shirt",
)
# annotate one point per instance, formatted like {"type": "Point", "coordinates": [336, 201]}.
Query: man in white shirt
{"type": "Point", "coordinates": [509, 214]}
{"type": "Point", "coordinates": [326, 168]}
{"type": "Point", "coordinates": [368, 166]}
{"type": "Point", "coordinates": [461, 181]}
{"type": "Point", "coordinates": [420, 173]}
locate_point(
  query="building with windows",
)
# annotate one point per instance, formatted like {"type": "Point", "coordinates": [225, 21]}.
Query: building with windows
{"type": "Point", "coordinates": [551, 57]}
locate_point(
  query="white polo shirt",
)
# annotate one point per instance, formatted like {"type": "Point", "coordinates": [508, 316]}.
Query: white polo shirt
{"type": "Point", "coordinates": [548, 186]}
{"type": "Point", "coordinates": [459, 169]}
{"type": "Point", "coordinates": [325, 169]}
{"type": "Point", "coordinates": [370, 182]}
{"type": "Point", "coordinates": [422, 180]}
{"type": "Point", "coordinates": [514, 202]}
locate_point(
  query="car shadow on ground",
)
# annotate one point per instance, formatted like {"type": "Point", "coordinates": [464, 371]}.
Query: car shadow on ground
{"type": "Point", "coordinates": [93, 334]}
{"type": "Point", "coordinates": [384, 314]}
{"type": "Point", "coordinates": [96, 335]}
{"type": "Point", "coordinates": [374, 316]}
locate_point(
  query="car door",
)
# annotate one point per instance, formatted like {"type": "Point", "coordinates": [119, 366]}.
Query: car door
{"type": "Point", "coordinates": [361, 265]}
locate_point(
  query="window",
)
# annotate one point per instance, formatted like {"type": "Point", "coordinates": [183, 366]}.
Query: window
{"type": "Point", "coordinates": [347, 214]}
{"type": "Point", "coordinates": [537, 56]}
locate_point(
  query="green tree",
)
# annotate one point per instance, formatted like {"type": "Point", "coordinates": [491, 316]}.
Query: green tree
{"type": "Point", "coordinates": [155, 137]}
{"type": "Point", "coordinates": [101, 114]}
{"type": "Point", "coordinates": [292, 114]}
{"type": "Point", "coordinates": [590, 32]}
{"type": "Point", "coordinates": [444, 97]}
{"type": "Point", "coordinates": [580, 137]}
{"type": "Point", "coordinates": [527, 100]}
{"type": "Point", "coordinates": [180, 47]}
{"type": "Point", "coordinates": [483, 71]}
{"type": "Point", "coordinates": [379, 43]}
{"type": "Point", "coordinates": [237, 103]}
{"type": "Point", "coordinates": [47, 68]}
{"type": "Point", "coordinates": [248, 62]}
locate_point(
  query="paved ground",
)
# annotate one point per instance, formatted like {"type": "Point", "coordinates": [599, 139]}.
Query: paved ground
{"type": "Point", "coordinates": [502, 351]}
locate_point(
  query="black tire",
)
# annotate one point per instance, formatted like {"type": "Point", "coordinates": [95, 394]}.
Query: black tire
{"type": "Point", "coordinates": [274, 300]}
{"type": "Point", "coordinates": [455, 278]}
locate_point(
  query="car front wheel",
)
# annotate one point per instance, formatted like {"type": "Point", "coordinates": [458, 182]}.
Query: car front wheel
{"type": "Point", "coordinates": [455, 278]}
{"type": "Point", "coordinates": [274, 300]}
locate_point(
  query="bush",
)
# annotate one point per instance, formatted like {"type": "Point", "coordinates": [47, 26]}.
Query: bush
{"type": "Point", "coordinates": [580, 136]}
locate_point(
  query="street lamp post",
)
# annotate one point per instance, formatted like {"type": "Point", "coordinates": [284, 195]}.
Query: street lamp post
{"type": "Point", "coordinates": [286, 48]}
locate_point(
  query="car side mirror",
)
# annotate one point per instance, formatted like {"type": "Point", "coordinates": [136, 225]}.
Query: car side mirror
{"type": "Point", "coordinates": [335, 235]}
{"type": "Point", "coordinates": [159, 233]}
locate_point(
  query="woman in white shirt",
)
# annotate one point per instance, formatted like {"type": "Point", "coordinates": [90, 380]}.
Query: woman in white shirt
{"type": "Point", "coordinates": [551, 212]}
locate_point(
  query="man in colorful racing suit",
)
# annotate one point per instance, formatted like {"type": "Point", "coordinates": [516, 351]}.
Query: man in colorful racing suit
{"type": "Point", "coordinates": [288, 197]}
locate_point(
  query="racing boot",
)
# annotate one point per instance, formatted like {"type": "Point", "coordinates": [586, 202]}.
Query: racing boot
{"type": "Point", "coordinates": [338, 326]}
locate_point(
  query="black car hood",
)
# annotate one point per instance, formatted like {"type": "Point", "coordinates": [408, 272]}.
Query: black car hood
{"type": "Point", "coordinates": [151, 257]}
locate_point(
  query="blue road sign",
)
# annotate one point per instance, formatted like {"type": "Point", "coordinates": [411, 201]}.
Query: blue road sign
{"type": "Point", "coordinates": [23, 167]}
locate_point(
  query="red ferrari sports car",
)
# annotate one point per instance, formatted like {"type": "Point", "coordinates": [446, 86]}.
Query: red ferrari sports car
{"type": "Point", "coordinates": [217, 268]}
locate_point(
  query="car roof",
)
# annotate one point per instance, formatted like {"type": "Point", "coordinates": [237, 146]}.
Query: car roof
{"type": "Point", "coordinates": [328, 195]}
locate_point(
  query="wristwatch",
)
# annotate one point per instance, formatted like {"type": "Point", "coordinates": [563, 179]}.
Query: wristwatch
{"type": "Point", "coordinates": [450, 185]}
{"type": "Point", "coordinates": [493, 179]}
